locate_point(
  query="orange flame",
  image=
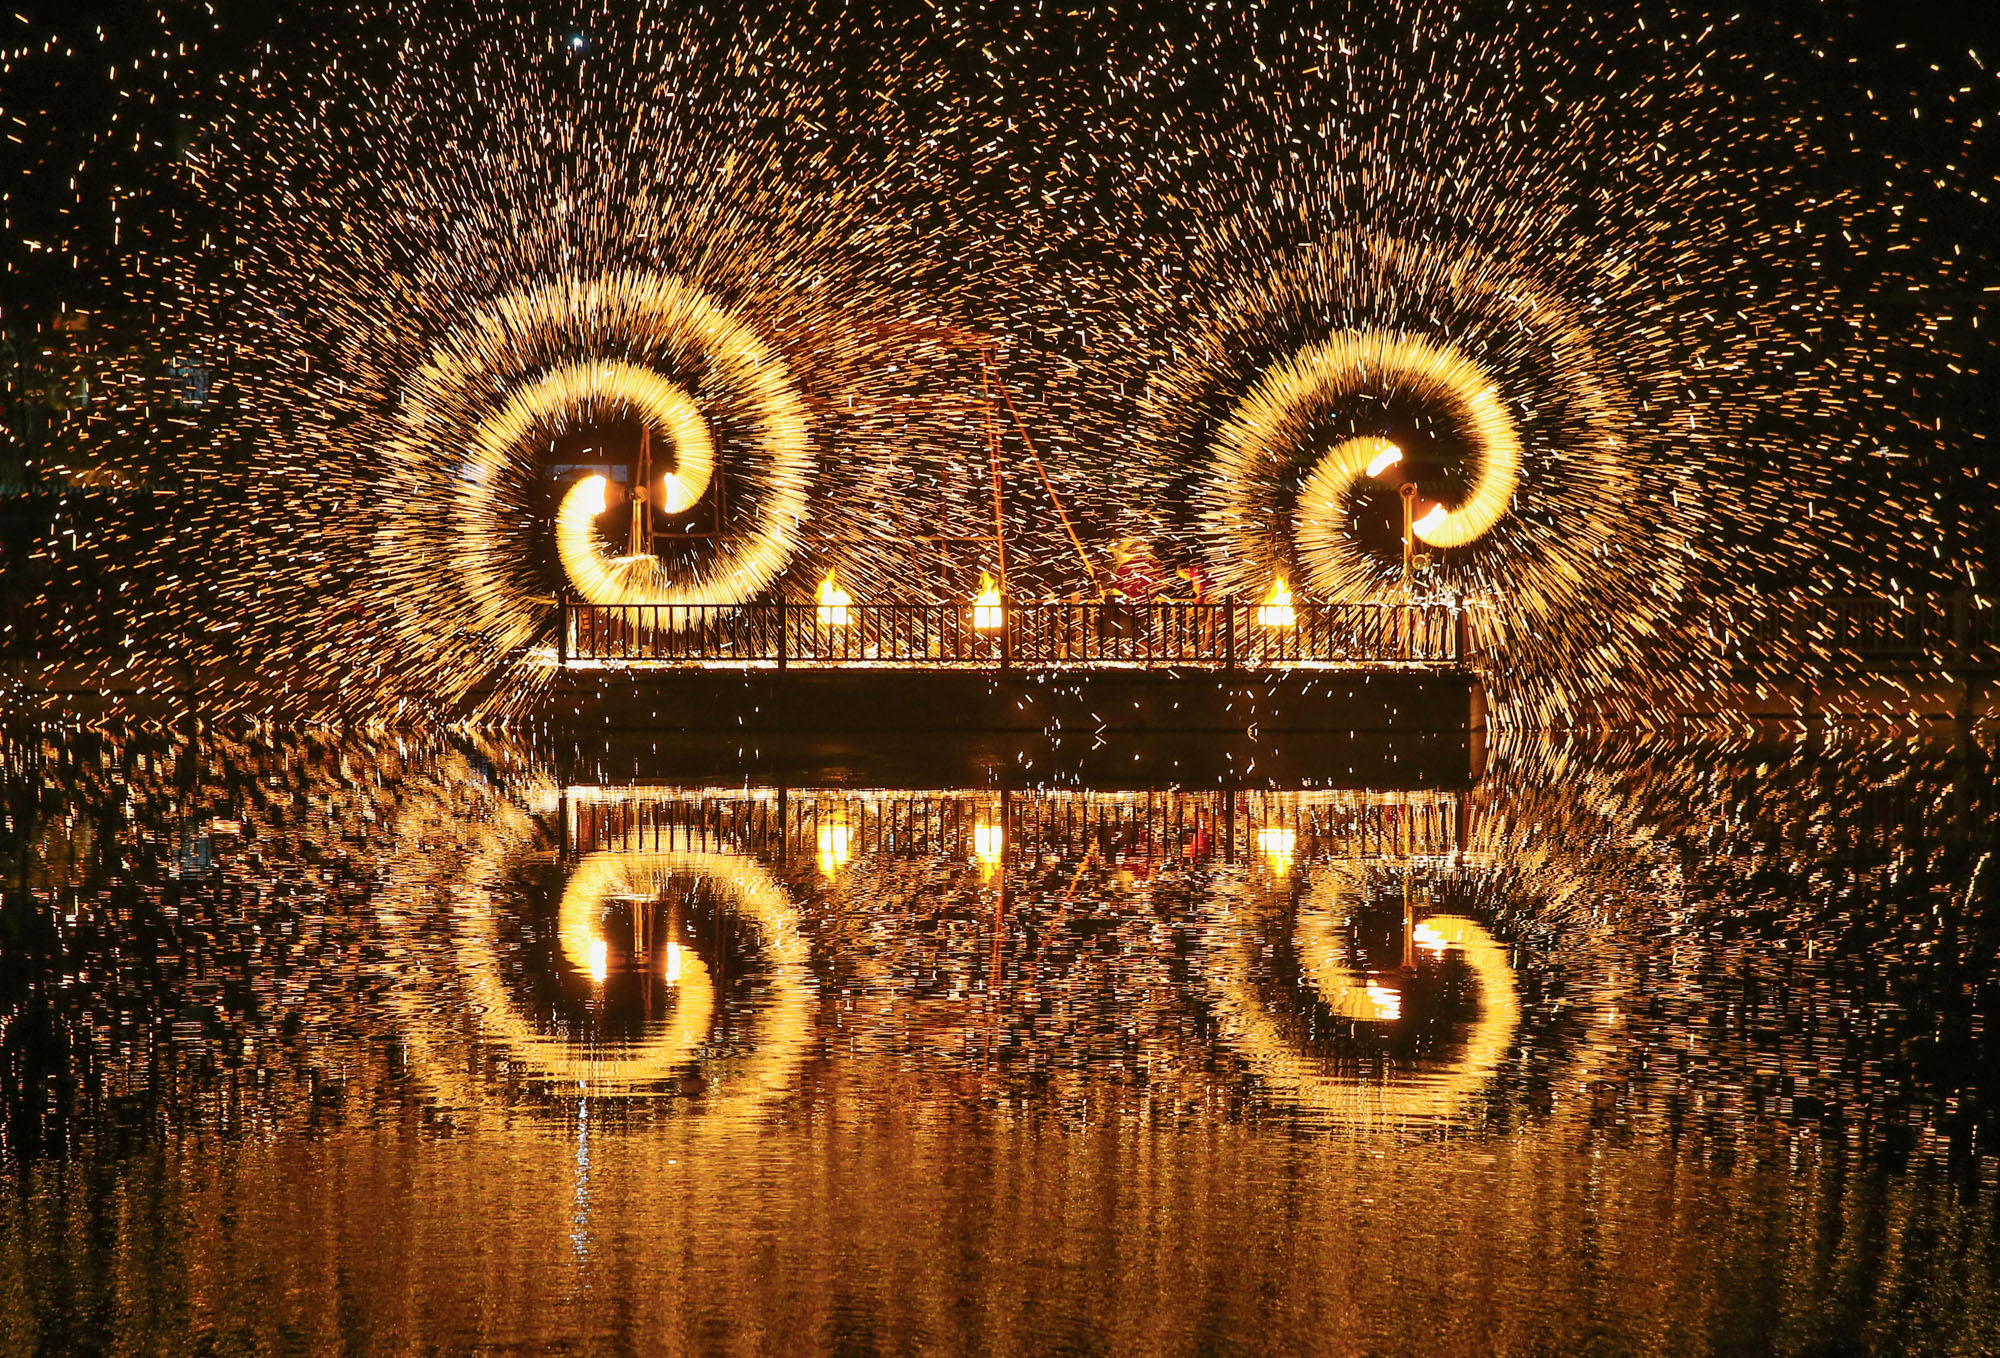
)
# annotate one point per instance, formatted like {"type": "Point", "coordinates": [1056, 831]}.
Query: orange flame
{"type": "Point", "coordinates": [833, 602]}
{"type": "Point", "coordinates": [987, 612]}
{"type": "Point", "coordinates": [1277, 610]}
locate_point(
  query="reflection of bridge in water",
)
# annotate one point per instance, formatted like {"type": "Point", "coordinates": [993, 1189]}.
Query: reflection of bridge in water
{"type": "Point", "coordinates": [931, 903]}
{"type": "Point", "coordinates": [1234, 826]}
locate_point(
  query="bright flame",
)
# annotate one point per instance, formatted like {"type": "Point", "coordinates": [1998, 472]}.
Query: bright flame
{"type": "Point", "coordinates": [1384, 460]}
{"type": "Point", "coordinates": [987, 612]}
{"type": "Point", "coordinates": [834, 846]}
{"type": "Point", "coordinates": [588, 495]}
{"type": "Point", "coordinates": [677, 494]}
{"type": "Point", "coordinates": [833, 603]}
{"type": "Point", "coordinates": [600, 960]}
{"type": "Point", "coordinates": [1431, 522]}
{"type": "Point", "coordinates": [673, 964]}
{"type": "Point", "coordinates": [1277, 609]}
{"type": "Point", "coordinates": [1278, 843]}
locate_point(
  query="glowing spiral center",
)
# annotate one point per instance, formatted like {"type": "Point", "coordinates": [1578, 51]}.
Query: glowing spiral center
{"type": "Point", "coordinates": [1280, 406]}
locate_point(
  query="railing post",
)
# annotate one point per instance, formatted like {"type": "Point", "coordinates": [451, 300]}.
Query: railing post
{"type": "Point", "coordinates": [1006, 633]}
{"type": "Point", "coordinates": [781, 634]}
{"type": "Point", "coordinates": [562, 629]}
{"type": "Point", "coordinates": [1229, 634]}
{"type": "Point", "coordinates": [1961, 619]}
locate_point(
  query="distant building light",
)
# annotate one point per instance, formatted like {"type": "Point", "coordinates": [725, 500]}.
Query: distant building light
{"type": "Point", "coordinates": [191, 381]}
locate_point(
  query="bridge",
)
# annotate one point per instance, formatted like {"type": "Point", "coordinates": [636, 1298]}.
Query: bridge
{"type": "Point", "coordinates": [992, 634]}
{"type": "Point", "coordinates": [994, 664]}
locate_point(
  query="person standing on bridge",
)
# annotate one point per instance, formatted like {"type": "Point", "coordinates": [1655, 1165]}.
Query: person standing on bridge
{"type": "Point", "coordinates": [1135, 571]}
{"type": "Point", "coordinates": [1135, 575]}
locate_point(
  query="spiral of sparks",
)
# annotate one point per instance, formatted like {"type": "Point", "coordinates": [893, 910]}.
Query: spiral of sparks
{"type": "Point", "coordinates": [1319, 378]}
{"type": "Point", "coordinates": [509, 376]}
{"type": "Point", "coordinates": [1668, 358]}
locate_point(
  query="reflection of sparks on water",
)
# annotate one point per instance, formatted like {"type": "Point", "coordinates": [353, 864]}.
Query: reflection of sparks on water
{"type": "Point", "coordinates": [1302, 1079]}
{"type": "Point", "coordinates": [780, 1032]}
{"type": "Point", "coordinates": [1388, 1002]}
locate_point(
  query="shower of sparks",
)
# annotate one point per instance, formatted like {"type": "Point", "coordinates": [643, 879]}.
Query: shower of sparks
{"type": "Point", "coordinates": [1665, 351]}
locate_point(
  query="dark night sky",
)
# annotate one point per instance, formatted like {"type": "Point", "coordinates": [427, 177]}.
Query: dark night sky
{"type": "Point", "coordinates": [59, 98]}
{"type": "Point", "coordinates": [61, 107]}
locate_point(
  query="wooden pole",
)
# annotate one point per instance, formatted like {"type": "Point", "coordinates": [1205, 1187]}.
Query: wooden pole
{"type": "Point", "coordinates": [993, 459]}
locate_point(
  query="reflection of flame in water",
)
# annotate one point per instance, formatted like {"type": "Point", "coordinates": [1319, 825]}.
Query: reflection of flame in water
{"type": "Point", "coordinates": [836, 841]}
{"type": "Point", "coordinates": [989, 842]}
{"type": "Point", "coordinates": [1278, 843]}
{"type": "Point", "coordinates": [1302, 1079]}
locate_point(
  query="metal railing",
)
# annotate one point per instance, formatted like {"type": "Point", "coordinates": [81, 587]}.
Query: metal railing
{"type": "Point", "coordinates": [1018, 634]}
{"type": "Point", "coordinates": [1954, 627]}
{"type": "Point", "coordinates": [800, 823]}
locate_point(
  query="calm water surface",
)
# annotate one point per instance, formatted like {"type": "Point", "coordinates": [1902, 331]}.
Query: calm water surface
{"type": "Point", "coordinates": [314, 1044]}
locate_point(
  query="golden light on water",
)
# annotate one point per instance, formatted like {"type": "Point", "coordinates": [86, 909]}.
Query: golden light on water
{"type": "Point", "coordinates": [675, 1042]}
{"type": "Point", "coordinates": [1278, 844]}
{"type": "Point", "coordinates": [1387, 1001]}
{"type": "Point", "coordinates": [1319, 932]}
{"type": "Point", "coordinates": [835, 846]}
{"type": "Point", "coordinates": [1429, 937]}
